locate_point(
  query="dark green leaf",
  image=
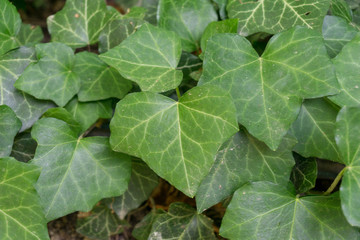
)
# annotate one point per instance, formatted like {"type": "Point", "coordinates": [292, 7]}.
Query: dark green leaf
{"type": "Point", "coordinates": [341, 9]}
{"type": "Point", "coordinates": [63, 115]}
{"type": "Point", "coordinates": [142, 230]}
{"type": "Point", "coordinates": [150, 5]}
{"type": "Point", "coordinates": [24, 147]}
{"type": "Point", "coordinates": [304, 173]}
{"type": "Point", "coordinates": [29, 35]}
{"type": "Point", "coordinates": [222, 8]}
{"type": "Point", "coordinates": [189, 63]}
{"type": "Point", "coordinates": [9, 127]}
{"type": "Point", "coordinates": [9, 26]}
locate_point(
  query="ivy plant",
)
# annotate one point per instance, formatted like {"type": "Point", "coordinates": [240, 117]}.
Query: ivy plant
{"type": "Point", "coordinates": [232, 103]}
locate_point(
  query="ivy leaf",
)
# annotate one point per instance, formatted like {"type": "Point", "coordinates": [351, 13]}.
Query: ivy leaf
{"type": "Point", "coordinates": [142, 182]}
{"type": "Point", "coordinates": [24, 147]}
{"type": "Point", "coordinates": [304, 173]}
{"type": "Point", "coordinates": [142, 230]}
{"type": "Point", "coordinates": [79, 23]}
{"type": "Point", "coordinates": [341, 9]}
{"type": "Point", "coordinates": [348, 74]}
{"type": "Point", "coordinates": [241, 159]}
{"type": "Point", "coordinates": [27, 108]}
{"type": "Point", "coordinates": [150, 6]}
{"type": "Point", "coordinates": [87, 113]}
{"type": "Point", "coordinates": [51, 77]}
{"type": "Point", "coordinates": [148, 57]}
{"type": "Point", "coordinates": [337, 33]}
{"type": "Point", "coordinates": [9, 26]}
{"type": "Point", "coordinates": [64, 115]}
{"type": "Point", "coordinates": [222, 8]}
{"type": "Point", "coordinates": [9, 127]}
{"type": "Point", "coordinates": [187, 18]}
{"type": "Point", "coordinates": [314, 130]}
{"type": "Point", "coordinates": [65, 184]}
{"type": "Point", "coordinates": [101, 224]}
{"type": "Point", "coordinates": [98, 80]}
{"type": "Point", "coordinates": [21, 214]}
{"type": "Point", "coordinates": [264, 210]}
{"type": "Point", "coordinates": [276, 16]}
{"type": "Point", "coordinates": [348, 138]}
{"type": "Point", "coordinates": [268, 90]}
{"type": "Point", "coordinates": [29, 35]}
{"type": "Point", "coordinates": [182, 222]}
{"type": "Point", "coordinates": [162, 132]}
{"type": "Point", "coordinates": [188, 64]}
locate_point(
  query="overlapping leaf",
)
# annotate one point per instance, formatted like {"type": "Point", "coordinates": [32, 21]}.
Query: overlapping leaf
{"type": "Point", "coordinates": [10, 23]}
{"type": "Point", "coordinates": [150, 6]}
{"type": "Point", "coordinates": [241, 159]}
{"type": "Point", "coordinates": [21, 215]}
{"type": "Point", "coordinates": [265, 210]}
{"type": "Point", "coordinates": [9, 127]}
{"type": "Point", "coordinates": [178, 140]}
{"type": "Point", "coordinates": [268, 90]}
{"type": "Point", "coordinates": [187, 18]}
{"type": "Point", "coordinates": [142, 230]}
{"type": "Point", "coordinates": [304, 173]}
{"type": "Point", "coordinates": [76, 173]}
{"type": "Point", "coordinates": [24, 147]}
{"type": "Point", "coordinates": [27, 108]}
{"type": "Point", "coordinates": [64, 115]}
{"type": "Point", "coordinates": [29, 35]}
{"type": "Point", "coordinates": [341, 9]}
{"type": "Point", "coordinates": [273, 16]}
{"type": "Point", "coordinates": [188, 64]}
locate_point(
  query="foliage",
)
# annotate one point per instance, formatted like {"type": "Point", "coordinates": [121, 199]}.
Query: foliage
{"type": "Point", "coordinates": [120, 102]}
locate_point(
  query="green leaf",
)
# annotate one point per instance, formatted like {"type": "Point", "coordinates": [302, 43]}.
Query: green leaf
{"type": "Point", "coordinates": [142, 230]}
{"type": "Point", "coordinates": [98, 80]}
{"type": "Point", "coordinates": [142, 182]}
{"type": "Point", "coordinates": [87, 113]}
{"type": "Point", "coordinates": [314, 130]}
{"type": "Point", "coordinates": [304, 173]}
{"type": "Point", "coordinates": [188, 64]}
{"type": "Point", "coordinates": [29, 35]}
{"type": "Point", "coordinates": [51, 77]}
{"type": "Point", "coordinates": [9, 26]}
{"type": "Point", "coordinates": [9, 127]}
{"type": "Point", "coordinates": [222, 8]}
{"type": "Point", "coordinates": [64, 115]}
{"type": "Point", "coordinates": [150, 5]}
{"type": "Point", "coordinates": [178, 140]}
{"type": "Point", "coordinates": [24, 147]}
{"type": "Point", "coordinates": [268, 90]}
{"type": "Point", "coordinates": [27, 108]}
{"type": "Point", "coordinates": [241, 159]}
{"type": "Point", "coordinates": [76, 173]}
{"type": "Point", "coordinates": [337, 33]}
{"type": "Point", "coordinates": [341, 9]}
{"type": "Point", "coordinates": [148, 57]}
{"type": "Point", "coordinates": [273, 16]}
{"type": "Point", "coordinates": [101, 224]}
{"type": "Point", "coordinates": [347, 72]}
{"type": "Point", "coordinates": [21, 215]}
{"type": "Point", "coordinates": [188, 19]}
{"type": "Point", "coordinates": [348, 138]}
{"type": "Point", "coordinates": [264, 210]}
{"type": "Point", "coordinates": [182, 222]}
{"type": "Point", "coordinates": [79, 23]}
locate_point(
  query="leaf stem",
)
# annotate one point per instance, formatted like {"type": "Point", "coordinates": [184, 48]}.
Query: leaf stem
{"type": "Point", "coordinates": [335, 182]}
{"type": "Point", "coordinates": [178, 93]}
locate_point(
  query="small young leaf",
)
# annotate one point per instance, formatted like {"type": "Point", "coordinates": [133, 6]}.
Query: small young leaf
{"type": "Point", "coordinates": [76, 173]}
{"type": "Point", "coordinates": [142, 230]}
{"type": "Point", "coordinates": [51, 77]}
{"type": "Point", "coordinates": [341, 9]}
{"type": "Point", "coordinates": [9, 26]}
{"type": "Point", "coordinates": [187, 18]}
{"type": "Point", "coordinates": [272, 16]}
{"type": "Point", "coordinates": [29, 35]}
{"type": "Point", "coordinates": [148, 57]}
{"type": "Point", "coordinates": [182, 222]}
{"type": "Point", "coordinates": [21, 215]}
{"type": "Point", "coordinates": [264, 210]}
{"type": "Point", "coordinates": [9, 127]}
{"type": "Point", "coordinates": [24, 147]}
{"type": "Point", "coordinates": [178, 140]}
{"type": "Point", "coordinates": [304, 173]}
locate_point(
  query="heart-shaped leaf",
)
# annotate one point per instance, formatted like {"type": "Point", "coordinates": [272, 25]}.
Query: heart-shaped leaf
{"type": "Point", "coordinates": [268, 90]}
{"type": "Point", "coordinates": [304, 173]}
{"type": "Point", "coordinates": [21, 215]}
{"type": "Point", "coordinates": [178, 140]}
{"type": "Point", "coordinates": [273, 16]}
{"type": "Point", "coordinates": [65, 184]}
{"type": "Point", "coordinates": [9, 26]}
{"type": "Point", "coordinates": [9, 127]}
{"type": "Point", "coordinates": [149, 57]}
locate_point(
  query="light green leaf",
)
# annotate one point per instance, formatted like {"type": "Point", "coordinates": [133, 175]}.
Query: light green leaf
{"type": "Point", "coordinates": [87, 113]}
{"type": "Point", "coordinates": [241, 159]}
{"type": "Point", "coordinates": [348, 138]}
{"type": "Point", "coordinates": [337, 33]}
{"type": "Point", "coordinates": [98, 80]}
{"type": "Point", "coordinates": [273, 16]}
{"type": "Point", "coordinates": [142, 230]}
{"type": "Point", "coordinates": [29, 35]}
{"type": "Point", "coordinates": [24, 147]}
{"type": "Point", "coordinates": [348, 74]}
{"type": "Point", "coordinates": [79, 23]}
{"type": "Point", "coordinates": [187, 18]}
{"type": "Point", "coordinates": [268, 90]}
{"type": "Point", "coordinates": [27, 108]}
{"type": "Point", "coordinates": [178, 140]}
{"type": "Point", "coordinates": [51, 77]}
{"type": "Point", "coordinates": [304, 173]}
{"type": "Point", "coordinates": [264, 210]}
{"type": "Point", "coordinates": [189, 63]}
{"type": "Point", "coordinates": [142, 182]}
{"type": "Point", "coordinates": [64, 115]}
{"type": "Point", "coordinates": [148, 57]}
{"type": "Point", "coordinates": [315, 130]}
{"type": "Point", "coordinates": [9, 127]}
{"type": "Point", "coordinates": [10, 24]}
{"type": "Point", "coordinates": [101, 224]}
{"type": "Point", "coordinates": [21, 215]}
{"type": "Point", "coordinates": [341, 9]}
{"type": "Point", "coordinates": [182, 222]}
{"type": "Point", "coordinates": [65, 184]}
